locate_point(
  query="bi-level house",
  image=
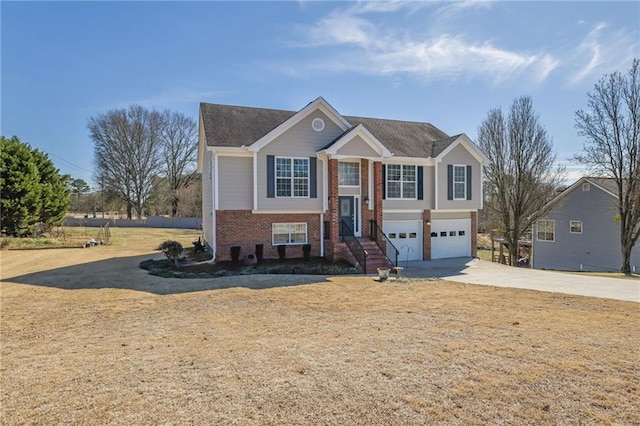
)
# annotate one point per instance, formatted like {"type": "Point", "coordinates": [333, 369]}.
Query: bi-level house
{"type": "Point", "coordinates": [273, 177]}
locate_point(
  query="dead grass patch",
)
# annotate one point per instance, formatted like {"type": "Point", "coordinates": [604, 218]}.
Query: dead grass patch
{"type": "Point", "coordinates": [347, 351]}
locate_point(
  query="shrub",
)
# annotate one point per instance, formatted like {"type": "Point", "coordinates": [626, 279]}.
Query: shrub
{"type": "Point", "coordinates": [282, 252]}
{"type": "Point", "coordinates": [171, 249]}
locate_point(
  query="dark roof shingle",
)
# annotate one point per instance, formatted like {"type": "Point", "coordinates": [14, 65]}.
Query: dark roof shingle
{"type": "Point", "coordinates": [235, 126]}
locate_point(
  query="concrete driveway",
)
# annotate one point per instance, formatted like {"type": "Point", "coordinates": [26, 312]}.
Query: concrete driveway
{"type": "Point", "coordinates": [475, 271]}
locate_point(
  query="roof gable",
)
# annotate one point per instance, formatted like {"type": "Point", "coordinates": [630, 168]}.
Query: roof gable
{"type": "Point", "coordinates": [318, 104]}
{"type": "Point", "coordinates": [451, 143]}
{"type": "Point", "coordinates": [350, 135]}
{"type": "Point", "coordinates": [603, 184]}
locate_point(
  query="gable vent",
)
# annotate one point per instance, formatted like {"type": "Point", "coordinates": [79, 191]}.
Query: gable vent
{"type": "Point", "coordinates": [586, 187]}
{"type": "Point", "coordinates": [317, 124]}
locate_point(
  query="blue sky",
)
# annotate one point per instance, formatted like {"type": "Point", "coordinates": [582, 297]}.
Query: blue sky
{"type": "Point", "coordinates": [447, 63]}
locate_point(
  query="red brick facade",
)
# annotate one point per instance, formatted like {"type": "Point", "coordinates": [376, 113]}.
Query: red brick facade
{"type": "Point", "coordinates": [426, 235]}
{"type": "Point", "coordinates": [246, 229]}
{"type": "Point", "coordinates": [474, 234]}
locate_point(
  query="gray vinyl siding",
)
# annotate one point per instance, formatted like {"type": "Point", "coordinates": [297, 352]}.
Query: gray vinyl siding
{"type": "Point", "coordinates": [436, 215]}
{"type": "Point", "coordinates": [597, 248]}
{"type": "Point", "coordinates": [299, 141]}
{"type": "Point", "coordinates": [459, 156]}
{"type": "Point", "coordinates": [357, 147]}
{"type": "Point", "coordinates": [235, 184]}
{"type": "Point", "coordinates": [402, 216]}
{"type": "Point", "coordinates": [427, 203]}
{"type": "Point", "coordinates": [207, 198]}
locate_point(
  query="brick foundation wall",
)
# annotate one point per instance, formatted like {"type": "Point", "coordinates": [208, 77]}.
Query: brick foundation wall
{"type": "Point", "coordinates": [426, 235]}
{"type": "Point", "coordinates": [245, 229]}
{"type": "Point", "coordinates": [474, 234]}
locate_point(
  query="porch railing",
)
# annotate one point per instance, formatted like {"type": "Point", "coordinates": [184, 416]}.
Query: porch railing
{"type": "Point", "coordinates": [383, 242]}
{"type": "Point", "coordinates": [354, 245]}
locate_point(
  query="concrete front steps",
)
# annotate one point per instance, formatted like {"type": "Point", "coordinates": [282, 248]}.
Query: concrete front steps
{"type": "Point", "coordinates": [376, 258]}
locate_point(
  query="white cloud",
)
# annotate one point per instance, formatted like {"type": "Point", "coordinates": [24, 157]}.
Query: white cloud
{"type": "Point", "coordinates": [601, 52]}
{"type": "Point", "coordinates": [366, 48]}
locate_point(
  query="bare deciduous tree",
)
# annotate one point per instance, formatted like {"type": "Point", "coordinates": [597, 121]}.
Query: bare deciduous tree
{"type": "Point", "coordinates": [127, 152]}
{"type": "Point", "coordinates": [180, 144]}
{"type": "Point", "coordinates": [521, 176]}
{"type": "Point", "coordinates": [611, 126]}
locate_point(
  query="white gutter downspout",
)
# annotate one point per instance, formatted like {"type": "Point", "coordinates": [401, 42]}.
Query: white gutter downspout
{"type": "Point", "coordinates": [255, 181]}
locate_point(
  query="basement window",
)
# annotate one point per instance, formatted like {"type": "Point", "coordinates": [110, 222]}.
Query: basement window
{"type": "Point", "coordinates": [289, 233]}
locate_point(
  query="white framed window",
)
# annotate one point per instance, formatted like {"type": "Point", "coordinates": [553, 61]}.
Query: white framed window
{"type": "Point", "coordinates": [401, 181]}
{"type": "Point", "coordinates": [292, 177]}
{"type": "Point", "coordinates": [575, 226]}
{"type": "Point", "coordinates": [348, 173]}
{"type": "Point", "coordinates": [289, 233]}
{"type": "Point", "coordinates": [459, 182]}
{"type": "Point", "coordinates": [546, 230]}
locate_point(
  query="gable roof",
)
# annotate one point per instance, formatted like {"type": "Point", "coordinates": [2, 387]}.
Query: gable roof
{"type": "Point", "coordinates": [347, 136]}
{"type": "Point", "coordinates": [607, 185]}
{"type": "Point", "coordinates": [237, 126]}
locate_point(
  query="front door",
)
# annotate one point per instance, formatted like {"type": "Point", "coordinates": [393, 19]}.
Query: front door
{"type": "Point", "coordinates": [346, 208]}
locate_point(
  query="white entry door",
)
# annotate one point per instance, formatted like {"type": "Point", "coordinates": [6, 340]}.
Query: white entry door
{"type": "Point", "coordinates": [450, 238]}
{"type": "Point", "coordinates": [406, 235]}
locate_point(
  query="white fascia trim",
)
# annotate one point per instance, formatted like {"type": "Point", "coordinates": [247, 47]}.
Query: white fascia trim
{"type": "Point", "coordinates": [319, 104]}
{"type": "Point", "coordinates": [230, 151]}
{"type": "Point", "coordinates": [413, 161]}
{"type": "Point", "coordinates": [369, 139]}
{"type": "Point", "coordinates": [352, 157]}
{"type": "Point", "coordinates": [287, 212]}
{"type": "Point", "coordinates": [469, 145]}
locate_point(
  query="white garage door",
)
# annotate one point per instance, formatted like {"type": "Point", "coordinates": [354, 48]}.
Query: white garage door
{"type": "Point", "coordinates": [406, 235]}
{"type": "Point", "coordinates": [450, 238]}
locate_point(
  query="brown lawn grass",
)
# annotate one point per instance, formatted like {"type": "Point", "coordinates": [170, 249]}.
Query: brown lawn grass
{"type": "Point", "coordinates": [87, 347]}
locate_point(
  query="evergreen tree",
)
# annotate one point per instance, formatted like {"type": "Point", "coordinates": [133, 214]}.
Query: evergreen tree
{"type": "Point", "coordinates": [31, 188]}
{"type": "Point", "coordinates": [19, 187]}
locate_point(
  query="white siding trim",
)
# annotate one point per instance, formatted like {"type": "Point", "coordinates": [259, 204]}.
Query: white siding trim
{"type": "Point", "coordinates": [436, 187]}
{"type": "Point", "coordinates": [255, 181]}
{"type": "Point", "coordinates": [403, 211]}
{"type": "Point", "coordinates": [325, 183]}
{"type": "Point", "coordinates": [287, 212]}
{"type": "Point", "coordinates": [370, 186]}
{"type": "Point", "coordinates": [215, 182]}
{"type": "Point", "coordinates": [321, 234]}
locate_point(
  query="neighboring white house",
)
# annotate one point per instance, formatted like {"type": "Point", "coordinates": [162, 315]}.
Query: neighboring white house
{"type": "Point", "coordinates": [273, 177]}
{"type": "Point", "coordinates": [580, 232]}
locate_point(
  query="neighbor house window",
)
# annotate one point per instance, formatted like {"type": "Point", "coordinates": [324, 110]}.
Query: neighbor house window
{"type": "Point", "coordinates": [292, 177]}
{"type": "Point", "coordinates": [348, 174]}
{"type": "Point", "coordinates": [459, 182]}
{"type": "Point", "coordinates": [289, 233]}
{"type": "Point", "coordinates": [401, 181]}
{"type": "Point", "coordinates": [575, 226]}
{"type": "Point", "coordinates": [546, 230]}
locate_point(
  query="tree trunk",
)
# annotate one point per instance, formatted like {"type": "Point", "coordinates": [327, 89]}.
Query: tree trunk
{"type": "Point", "coordinates": [174, 206]}
{"type": "Point", "coordinates": [626, 258]}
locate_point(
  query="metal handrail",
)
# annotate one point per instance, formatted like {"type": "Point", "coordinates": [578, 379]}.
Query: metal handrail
{"type": "Point", "coordinates": [383, 242]}
{"type": "Point", "coordinates": [349, 238]}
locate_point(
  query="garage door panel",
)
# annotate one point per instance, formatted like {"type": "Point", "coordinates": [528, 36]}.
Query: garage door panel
{"type": "Point", "coordinates": [406, 235]}
{"type": "Point", "coordinates": [450, 238]}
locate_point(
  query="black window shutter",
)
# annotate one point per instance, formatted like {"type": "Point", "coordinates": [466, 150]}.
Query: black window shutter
{"type": "Point", "coordinates": [271, 182]}
{"type": "Point", "coordinates": [468, 182]}
{"type": "Point", "coordinates": [420, 183]}
{"type": "Point", "coordinates": [384, 182]}
{"type": "Point", "coordinates": [450, 182]}
{"type": "Point", "coordinates": [313, 177]}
